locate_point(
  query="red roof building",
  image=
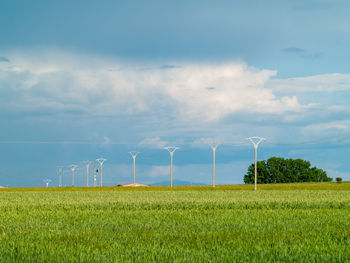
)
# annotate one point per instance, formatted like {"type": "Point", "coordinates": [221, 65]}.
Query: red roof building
{"type": "Point", "coordinates": [134, 185]}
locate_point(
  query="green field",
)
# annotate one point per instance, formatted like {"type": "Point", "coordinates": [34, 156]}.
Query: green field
{"type": "Point", "coordinates": [293, 223]}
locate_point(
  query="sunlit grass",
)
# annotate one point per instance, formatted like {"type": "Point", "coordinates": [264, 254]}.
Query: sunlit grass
{"type": "Point", "coordinates": [292, 186]}
{"type": "Point", "coordinates": [182, 224]}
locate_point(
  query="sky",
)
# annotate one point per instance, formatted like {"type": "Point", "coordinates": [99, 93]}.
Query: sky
{"type": "Point", "coordinates": [80, 80]}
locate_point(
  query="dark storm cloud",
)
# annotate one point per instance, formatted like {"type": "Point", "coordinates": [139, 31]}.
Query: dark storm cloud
{"type": "Point", "coordinates": [293, 50]}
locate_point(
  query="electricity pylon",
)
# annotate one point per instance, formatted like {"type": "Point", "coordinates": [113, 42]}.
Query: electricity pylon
{"type": "Point", "coordinates": [87, 164]}
{"type": "Point", "coordinates": [256, 141]}
{"type": "Point", "coordinates": [47, 181]}
{"type": "Point", "coordinates": [214, 146]}
{"type": "Point", "coordinates": [171, 150]}
{"type": "Point", "coordinates": [60, 173]}
{"type": "Point", "coordinates": [133, 155]}
{"type": "Point", "coordinates": [73, 167]}
{"type": "Point", "coordinates": [101, 161]}
{"type": "Point", "coordinates": [95, 175]}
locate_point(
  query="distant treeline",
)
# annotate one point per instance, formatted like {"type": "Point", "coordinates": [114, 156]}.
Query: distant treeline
{"type": "Point", "coordinates": [280, 170]}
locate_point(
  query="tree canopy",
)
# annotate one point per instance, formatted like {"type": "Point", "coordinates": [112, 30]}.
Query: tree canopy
{"type": "Point", "coordinates": [280, 170]}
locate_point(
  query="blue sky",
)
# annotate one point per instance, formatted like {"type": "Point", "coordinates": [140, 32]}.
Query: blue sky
{"type": "Point", "coordinates": [88, 79]}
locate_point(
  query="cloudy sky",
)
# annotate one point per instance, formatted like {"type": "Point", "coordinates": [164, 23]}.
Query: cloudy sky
{"type": "Point", "coordinates": [81, 80]}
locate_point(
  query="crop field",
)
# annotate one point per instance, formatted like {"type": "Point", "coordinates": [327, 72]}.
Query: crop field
{"type": "Point", "coordinates": [193, 224]}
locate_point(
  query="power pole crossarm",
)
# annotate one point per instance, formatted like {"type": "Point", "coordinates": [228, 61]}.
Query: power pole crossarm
{"type": "Point", "coordinates": [47, 181]}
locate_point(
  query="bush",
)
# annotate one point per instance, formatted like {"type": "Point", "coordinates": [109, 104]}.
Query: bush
{"type": "Point", "coordinates": [280, 170]}
{"type": "Point", "coordinates": [339, 179]}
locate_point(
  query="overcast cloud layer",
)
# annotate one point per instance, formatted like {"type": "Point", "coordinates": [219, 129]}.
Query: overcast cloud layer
{"type": "Point", "coordinates": [59, 82]}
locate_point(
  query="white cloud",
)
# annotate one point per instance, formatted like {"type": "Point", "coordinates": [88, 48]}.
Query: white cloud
{"type": "Point", "coordinates": [208, 142]}
{"type": "Point", "coordinates": [106, 140]}
{"type": "Point", "coordinates": [318, 83]}
{"type": "Point", "coordinates": [335, 126]}
{"type": "Point", "coordinates": [205, 92]}
{"type": "Point", "coordinates": [160, 171]}
{"type": "Point", "coordinates": [333, 132]}
{"type": "Point", "coordinates": [59, 82]}
{"type": "Point", "coordinates": [155, 142]}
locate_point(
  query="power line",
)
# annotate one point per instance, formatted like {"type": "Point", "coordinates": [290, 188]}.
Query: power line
{"type": "Point", "coordinates": [344, 139]}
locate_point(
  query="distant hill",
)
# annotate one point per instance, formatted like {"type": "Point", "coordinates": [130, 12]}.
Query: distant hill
{"type": "Point", "coordinates": [177, 182]}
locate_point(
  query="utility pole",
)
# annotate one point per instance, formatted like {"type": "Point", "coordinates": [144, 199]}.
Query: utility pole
{"type": "Point", "coordinates": [87, 164]}
{"type": "Point", "coordinates": [73, 167]}
{"type": "Point", "coordinates": [101, 161]}
{"type": "Point", "coordinates": [95, 175]}
{"type": "Point", "coordinates": [47, 181]}
{"type": "Point", "coordinates": [171, 150]}
{"type": "Point", "coordinates": [133, 155]}
{"type": "Point", "coordinates": [256, 141]}
{"type": "Point", "coordinates": [214, 146]}
{"type": "Point", "coordinates": [60, 173]}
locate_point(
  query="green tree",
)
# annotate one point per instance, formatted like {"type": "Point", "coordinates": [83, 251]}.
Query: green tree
{"type": "Point", "coordinates": [262, 172]}
{"type": "Point", "coordinates": [280, 170]}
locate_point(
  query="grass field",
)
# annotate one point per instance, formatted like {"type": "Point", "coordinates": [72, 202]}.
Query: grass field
{"type": "Point", "coordinates": [292, 186]}
{"type": "Point", "coordinates": [184, 224]}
